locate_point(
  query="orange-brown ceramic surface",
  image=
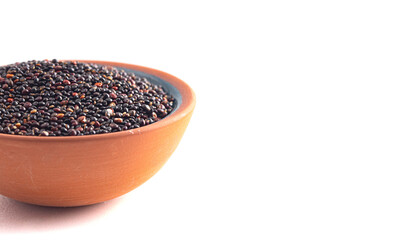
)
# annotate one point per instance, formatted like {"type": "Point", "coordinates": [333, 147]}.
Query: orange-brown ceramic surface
{"type": "Point", "coordinates": [82, 170]}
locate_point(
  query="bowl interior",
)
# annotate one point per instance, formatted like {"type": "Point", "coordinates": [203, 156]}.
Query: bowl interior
{"type": "Point", "coordinates": [168, 87]}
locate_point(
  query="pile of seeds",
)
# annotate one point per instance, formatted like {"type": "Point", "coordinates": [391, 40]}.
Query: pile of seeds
{"type": "Point", "coordinates": [53, 98]}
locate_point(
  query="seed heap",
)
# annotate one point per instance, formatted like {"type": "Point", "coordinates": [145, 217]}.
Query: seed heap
{"type": "Point", "coordinates": [53, 98]}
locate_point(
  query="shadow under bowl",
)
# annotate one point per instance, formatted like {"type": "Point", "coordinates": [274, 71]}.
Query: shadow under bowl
{"type": "Point", "coordinates": [84, 170]}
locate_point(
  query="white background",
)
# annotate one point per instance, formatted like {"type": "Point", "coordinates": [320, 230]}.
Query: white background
{"type": "Point", "coordinates": [296, 130]}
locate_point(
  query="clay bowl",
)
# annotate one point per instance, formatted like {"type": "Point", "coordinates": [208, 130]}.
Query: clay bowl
{"type": "Point", "coordinates": [83, 170]}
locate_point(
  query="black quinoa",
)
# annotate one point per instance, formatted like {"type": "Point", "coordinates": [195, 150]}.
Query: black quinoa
{"type": "Point", "coordinates": [69, 98]}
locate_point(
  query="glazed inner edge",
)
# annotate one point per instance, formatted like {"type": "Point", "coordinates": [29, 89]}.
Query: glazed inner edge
{"type": "Point", "coordinates": [168, 87]}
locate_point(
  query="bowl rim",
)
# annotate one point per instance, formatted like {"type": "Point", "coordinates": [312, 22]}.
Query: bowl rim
{"type": "Point", "coordinates": [186, 107]}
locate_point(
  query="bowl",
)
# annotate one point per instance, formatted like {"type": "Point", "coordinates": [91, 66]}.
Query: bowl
{"type": "Point", "coordinates": [83, 170]}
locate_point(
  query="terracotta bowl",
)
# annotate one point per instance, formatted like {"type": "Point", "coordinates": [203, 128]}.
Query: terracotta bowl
{"type": "Point", "coordinates": [83, 170]}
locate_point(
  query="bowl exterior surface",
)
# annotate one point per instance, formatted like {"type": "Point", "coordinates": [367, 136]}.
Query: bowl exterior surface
{"type": "Point", "coordinates": [83, 170]}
